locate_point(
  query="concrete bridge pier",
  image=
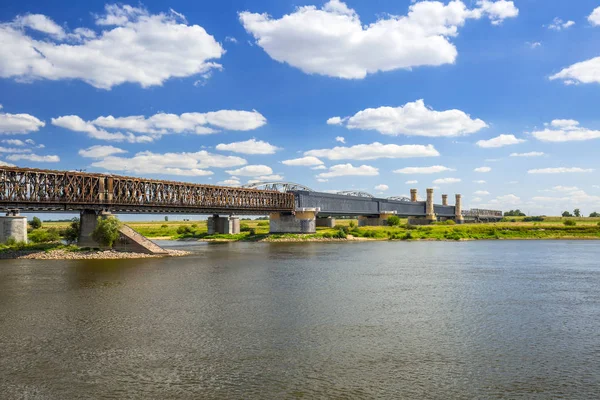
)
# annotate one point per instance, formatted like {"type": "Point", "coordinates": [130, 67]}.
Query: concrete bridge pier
{"type": "Point", "coordinates": [227, 225]}
{"type": "Point", "coordinates": [88, 220]}
{"type": "Point", "coordinates": [430, 207]}
{"type": "Point", "coordinates": [380, 220]}
{"type": "Point", "coordinates": [13, 226]}
{"type": "Point", "coordinates": [304, 220]}
{"type": "Point", "coordinates": [459, 219]}
{"type": "Point", "coordinates": [328, 222]}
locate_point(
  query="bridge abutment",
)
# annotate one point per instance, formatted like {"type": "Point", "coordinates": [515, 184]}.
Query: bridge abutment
{"type": "Point", "coordinates": [13, 226]}
{"type": "Point", "coordinates": [227, 225]}
{"type": "Point", "coordinates": [328, 222]}
{"type": "Point", "coordinates": [304, 220]}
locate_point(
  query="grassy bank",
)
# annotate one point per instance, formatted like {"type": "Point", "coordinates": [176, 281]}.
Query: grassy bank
{"type": "Point", "coordinates": [513, 228]}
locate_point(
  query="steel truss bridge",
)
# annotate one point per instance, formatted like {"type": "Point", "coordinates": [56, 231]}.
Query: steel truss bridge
{"type": "Point", "coordinates": [66, 191]}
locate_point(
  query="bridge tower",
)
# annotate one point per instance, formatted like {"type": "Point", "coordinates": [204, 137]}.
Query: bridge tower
{"type": "Point", "coordinates": [413, 195]}
{"type": "Point", "coordinates": [430, 208]}
{"type": "Point", "coordinates": [445, 200]}
{"type": "Point", "coordinates": [458, 210]}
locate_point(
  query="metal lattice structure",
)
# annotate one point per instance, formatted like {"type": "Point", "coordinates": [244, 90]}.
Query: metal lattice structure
{"type": "Point", "coordinates": [399, 198]}
{"type": "Point", "coordinates": [356, 193]}
{"type": "Point", "coordinates": [283, 187]}
{"type": "Point", "coordinates": [46, 190]}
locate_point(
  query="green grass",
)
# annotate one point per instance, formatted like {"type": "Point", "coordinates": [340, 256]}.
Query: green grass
{"type": "Point", "coordinates": [35, 247]}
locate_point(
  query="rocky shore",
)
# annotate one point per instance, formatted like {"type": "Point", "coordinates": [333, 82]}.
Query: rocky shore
{"type": "Point", "coordinates": [90, 255]}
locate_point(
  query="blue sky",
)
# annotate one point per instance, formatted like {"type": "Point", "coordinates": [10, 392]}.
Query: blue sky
{"type": "Point", "coordinates": [335, 95]}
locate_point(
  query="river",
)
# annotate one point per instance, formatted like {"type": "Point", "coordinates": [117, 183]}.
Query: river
{"type": "Point", "coordinates": [439, 320]}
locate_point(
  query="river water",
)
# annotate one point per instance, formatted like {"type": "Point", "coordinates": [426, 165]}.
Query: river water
{"type": "Point", "coordinates": [439, 320]}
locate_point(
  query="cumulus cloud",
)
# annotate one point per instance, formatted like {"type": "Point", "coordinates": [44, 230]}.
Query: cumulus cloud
{"type": "Point", "coordinates": [411, 182]}
{"type": "Point", "coordinates": [14, 142]}
{"type": "Point", "coordinates": [33, 158]}
{"type": "Point", "coordinates": [530, 154]}
{"type": "Point", "coordinates": [100, 151]}
{"type": "Point", "coordinates": [17, 123]}
{"type": "Point", "coordinates": [414, 119]}
{"type": "Point", "coordinates": [499, 141]}
{"type": "Point", "coordinates": [444, 181]}
{"type": "Point", "coordinates": [382, 187]}
{"type": "Point", "coordinates": [482, 193]}
{"type": "Point", "coordinates": [334, 121]}
{"type": "Point", "coordinates": [5, 164]}
{"type": "Point", "coordinates": [230, 182]}
{"type": "Point", "coordinates": [565, 130]}
{"type": "Point", "coordinates": [349, 170]}
{"type": "Point", "coordinates": [303, 162]}
{"type": "Point", "coordinates": [582, 72]}
{"type": "Point", "coordinates": [251, 146]}
{"type": "Point", "coordinates": [131, 45]}
{"type": "Point", "coordinates": [108, 128]}
{"type": "Point", "coordinates": [183, 164]}
{"type": "Point", "coordinates": [435, 169]}
{"type": "Point", "coordinates": [374, 151]}
{"type": "Point", "coordinates": [482, 169]}
{"type": "Point", "coordinates": [560, 170]}
{"type": "Point", "coordinates": [13, 150]}
{"type": "Point", "coordinates": [340, 139]}
{"type": "Point", "coordinates": [558, 24]}
{"type": "Point", "coordinates": [252, 170]}
{"type": "Point", "coordinates": [332, 40]}
{"type": "Point", "coordinates": [594, 17]}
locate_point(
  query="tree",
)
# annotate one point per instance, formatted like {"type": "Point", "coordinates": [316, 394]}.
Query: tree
{"type": "Point", "coordinates": [71, 234]}
{"type": "Point", "coordinates": [566, 214]}
{"type": "Point", "coordinates": [107, 231]}
{"type": "Point", "coordinates": [514, 213]}
{"type": "Point", "coordinates": [594, 215]}
{"type": "Point", "coordinates": [166, 219]}
{"type": "Point", "coordinates": [36, 223]}
{"type": "Point", "coordinates": [577, 212]}
{"type": "Point", "coordinates": [394, 220]}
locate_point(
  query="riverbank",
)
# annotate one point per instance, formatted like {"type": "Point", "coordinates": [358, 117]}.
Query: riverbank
{"type": "Point", "coordinates": [57, 251]}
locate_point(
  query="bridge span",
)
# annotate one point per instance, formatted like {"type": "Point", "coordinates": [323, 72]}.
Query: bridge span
{"type": "Point", "coordinates": [292, 208]}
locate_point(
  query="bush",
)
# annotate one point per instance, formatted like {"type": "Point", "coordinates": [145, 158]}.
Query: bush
{"type": "Point", "coordinates": [533, 219]}
{"type": "Point", "coordinates": [340, 234]}
{"type": "Point", "coordinates": [164, 226]}
{"type": "Point", "coordinates": [107, 231]}
{"type": "Point", "coordinates": [394, 220]}
{"type": "Point", "coordinates": [263, 223]}
{"type": "Point", "coordinates": [194, 226]}
{"type": "Point", "coordinates": [252, 232]}
{"type": "Point", "coordinates": [342, 228]}
{"type": "Point", "coordinates": [184, 229]}
{"type": "Point", "coordinates": [244, 228]}
{"type": "Point", "coordinates": [71, 234]}
{"type": "Point", "coordinates": [36, 223]}
{"type": "Point", "coordinates": [570, 222]}
{"type": "Point", "coordinates": [352, 224]}
{"type": "Point", "coordinates": [44, 236]}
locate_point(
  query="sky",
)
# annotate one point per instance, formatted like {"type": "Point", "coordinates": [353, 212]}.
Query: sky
{"type": "Point", "coordinates": [496, 100]}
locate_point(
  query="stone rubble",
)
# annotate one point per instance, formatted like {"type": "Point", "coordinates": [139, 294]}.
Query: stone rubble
{"type": "Point", "coordinates": [96, 255]}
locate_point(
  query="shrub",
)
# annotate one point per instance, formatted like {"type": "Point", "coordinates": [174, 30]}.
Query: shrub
{"type": "Point", "coordinates": [11, 241]}
{"type": "Point", "coordinates": [44, 236]}
{"type": "Point", "coordinates": [342, 228]}
{"type": "Point", "coordinates": [244, 228]}
{"type": "Point", "coordinates": [107, 231]}
{"type": "Point", "coordinates": [184, 229]}
{"type": "Point", "coordinates": [71, 234]}
{"type": "Point", "coordinates": [340, 234]}
{"type": "Point", "coordinates": [36, 223]}
{"type": "Point", "coordinates": [252, 232]}
{"type": "Point", "coordinates": [407, 236]}
{"type": "Point", "coordinates": [570, 222]}
{"type": "Point", "coordinates": [194, 225]}
{"type": "Point", "coordinates": [352, 224]}
{"type": "Point", "coordinates": [164, 226]}
{"type": "Point", "coordinates": [263, 223]}
{"type": "Point", "coordinates": [533, 219]}
{"type": "Point", "coordinates": [394, 220]}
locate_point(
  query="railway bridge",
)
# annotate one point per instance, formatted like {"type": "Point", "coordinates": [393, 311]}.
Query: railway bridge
{"type": "Point", "coordinates": [292, 208]}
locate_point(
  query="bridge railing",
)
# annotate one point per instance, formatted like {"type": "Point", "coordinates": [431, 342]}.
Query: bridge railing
{"type": "Point", "coordinates": [33, 186]}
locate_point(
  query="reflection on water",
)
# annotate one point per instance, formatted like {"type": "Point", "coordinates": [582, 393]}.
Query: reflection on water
{"type": "Point", "coordinates": [358, 320]}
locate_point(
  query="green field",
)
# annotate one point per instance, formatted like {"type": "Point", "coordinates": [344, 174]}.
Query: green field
{"type": "Point", "coordinates": [550, 228]}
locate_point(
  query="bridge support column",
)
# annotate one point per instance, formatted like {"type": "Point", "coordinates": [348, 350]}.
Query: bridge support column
{"type": "Point", "coordinates": [88, 220]}
{"type": "Point", "coordinates": [328, 222]}
{"type": "Point", "coordinates": [13, 226]}
{"type": "Point", "coordinates": [228, 225]}
{"type": "Point", "coordinates": [413, 195]}
{"type": "Point", "coordinates": [380, 220]}
{"type": "Point", "coordinates": [430, 209]}
{"type": "Point", "coordinates": [459, 219]}
{"type": "Point", "coordinates": [304, 220]}
{"type": "Point", "coordinates": [444, 199]}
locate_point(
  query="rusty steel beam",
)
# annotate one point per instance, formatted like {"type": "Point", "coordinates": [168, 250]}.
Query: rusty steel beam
{"type": "Point", "coordinates": [65, 190]}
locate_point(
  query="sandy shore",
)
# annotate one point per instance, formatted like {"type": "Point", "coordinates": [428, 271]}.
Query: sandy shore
{"type": "Point", "coordinates": [93, 255]}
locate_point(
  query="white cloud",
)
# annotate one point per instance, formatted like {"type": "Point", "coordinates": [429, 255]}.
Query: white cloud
{"type": "Point", "coordinates": [565, 188]}
{"type": "Point", "coordinates": [480, 182]}
{"type": "Point", "coordinates": [499, 141]}
{"type": "Point", "coordinates": [33, 158]}
{"type": "Point", "coordinates": [415, 119]}
{"type": "Point", "coordinates": [565, 130]}
{"type": "Point", "coordinates": [382, 188]}
{"type": "Point", "coordinates": [100, 151]}
{"type": "Point", "coordinates": [594, 17]}
{"type": "Point", "coordinates": [435, 169]}
{"type": "Point", "coordinates": [183, 164]}
{"type": "Point", "coordinates": [349, 170]}
{"type": "Point", "coordinates": [534, 45]}
{"type": "Point", "coordinates": [444, 181]}
{"type": "Point", "coordinates": [560, 170]}
{"type": "Point", "coordinates": [132, 45]}
{"type": "Point", "coordinates": [5, 164]}
{"type": "Point", "coordinates": [411, 182]}
{"type": "Point", "coordinates": [340, 139]}
{"type": "Point", "coordinates": [530, 154]}
{"type": "Point", "coordinates": [322, 180]}
{"type": "Point", "coordinates": [162, 124]}
{"type": "Point", "coordinates": [251, 146]}
{"type": "Point", "coordinates": [230, 182]}
{"type": "Point", "coordinates": [270, 178]}
{"type": "Point", "coordinates": [482, 193]}
{"type": "Point", "coordinates": [374, 151]}
{"type": "Point", "coordinates": [13, 150]}
{"type": "Point", "coordinates": [482, 169]}
{"type": "Point", "coordinates": [14, 142]}
{"type": "Point", "coordinates": [509, 199]}
{"type": "Point", "coordinates": [477, 200]}
{"type": "Point", "coordinates": [252, 170]}
{"type": "Point", "coordinates": [17, 123]}
{"type": "Point", "coordinates": [303, 162]}
{"type": "Point", "coordinates": [231, 39]}
{"type": "Point", "coordinates": [334, 121]}
{"type": "Point", "coordinates": [319, 167]}
{"type": "Point", "coordinates": [582, 72]}
{"type": "Point", "coordinates": [558, 24]}
{"type": "Point", "coordinates": [333, 41]}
